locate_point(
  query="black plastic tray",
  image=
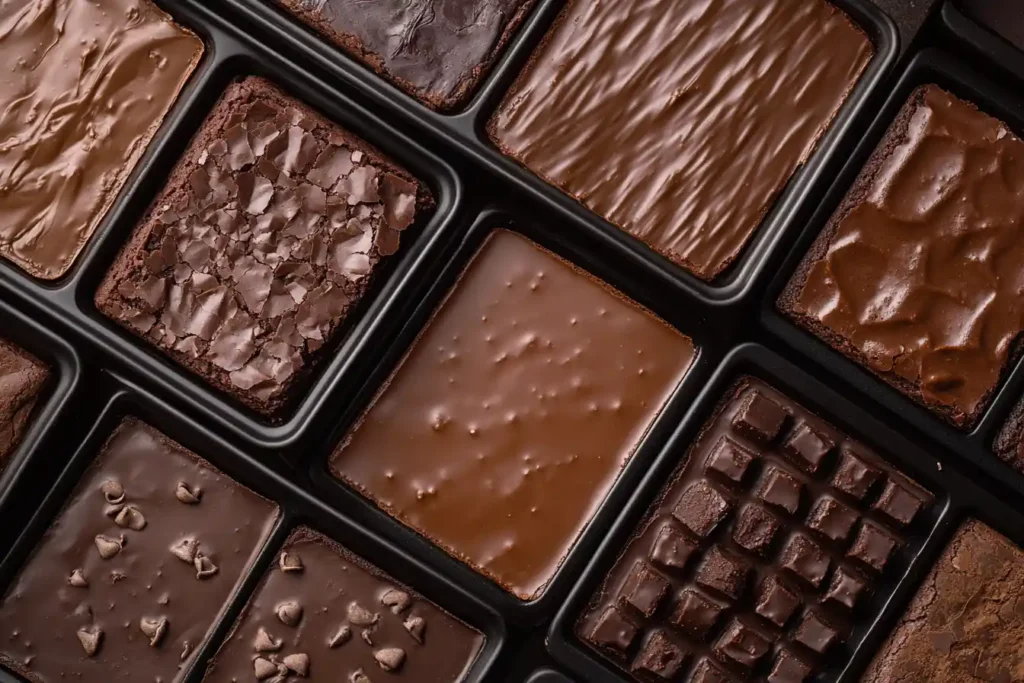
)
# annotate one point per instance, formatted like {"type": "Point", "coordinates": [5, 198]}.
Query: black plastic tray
{"type": "Point", "coordinates": [987, 45]}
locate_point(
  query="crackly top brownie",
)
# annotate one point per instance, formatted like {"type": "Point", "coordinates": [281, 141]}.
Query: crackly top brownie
{"type": "Point", "coordinates": [22, 378]}
{"type": "Point", "coordinates": [436, 50]}
{"type": "Point", "coordinates": [322, 614]}
{"type": "Point", "coordinates": [266, 237]}
{"type": "Point", "coordinates": [129, 580]}
{"type": "Point", "coordinates": [762, 554]}
{"type": "Point", "coordinates": [917, 274]}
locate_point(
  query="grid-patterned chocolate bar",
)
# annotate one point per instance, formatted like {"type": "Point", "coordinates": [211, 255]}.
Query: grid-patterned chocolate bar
{"type": "Point", "coordinates": [758, 558]}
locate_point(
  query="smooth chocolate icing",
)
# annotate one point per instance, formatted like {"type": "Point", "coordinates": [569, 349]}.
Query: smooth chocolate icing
{"type": "Point", "coordinates": [1005, 17]}
{"type": "Point", "coordinates": [503, 429]}
{"type": "Point", "coordinates": [351, 619]}
{"type": "Point", "coordinates": [760, 555]}
{"type": "Point", "coordinates": [262, 243]}
{"type": "Point", "coordinates": [966, 622]}
{"type": "Point", "coordinates": [437, 50]}
{"type": "Point", "coordinates": [22, 380]}
{"type": "Point", "coordinates": [89, 604]}
{"type": "Point", "coordinates": [83, 89]}
{"type": "Point", "coordinates": [920, 276]}
{"type": "Point", "coordinates": [680, 121]}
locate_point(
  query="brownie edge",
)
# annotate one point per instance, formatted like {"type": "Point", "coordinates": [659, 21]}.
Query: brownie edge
{"type": "Point", "coordinates": [269, 233]}
{"type": "Point", "coordinates": [23, 378]}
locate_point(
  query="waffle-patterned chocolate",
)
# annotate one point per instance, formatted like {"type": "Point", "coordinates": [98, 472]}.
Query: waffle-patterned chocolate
{"type": "Point", "coordinates": [760, 556]}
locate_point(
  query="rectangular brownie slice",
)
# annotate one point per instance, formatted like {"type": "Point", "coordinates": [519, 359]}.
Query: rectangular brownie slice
{"type": "Point", "coordinates": [22, 380]}
{"type": "Point", "coordinates": [268, 234]}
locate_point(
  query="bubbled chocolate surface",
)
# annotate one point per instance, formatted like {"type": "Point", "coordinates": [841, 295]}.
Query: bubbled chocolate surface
{"type": "Point", "coordinates": [324, 615]}
{"type": "Point", "coordinates": [267, 235]}
{"type": "Point", "coordinates": [128, 581]}
{"type": "Point", "coordinates": [761, 556]}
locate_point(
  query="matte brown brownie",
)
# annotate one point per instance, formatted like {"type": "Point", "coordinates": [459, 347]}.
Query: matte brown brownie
{"type": "Point", "coordinates": [966, 623]}
{"type": "Point", "coordinates": [1009, 445]}
{"type": "Point", "coordinates": [22, 379]}
{"type": "Point", "coordinates": [436, 50]}
{"type": "Point", "coordinates": [266, 237]}
{"type": "Point", "coordinates": [760, 556]}
{"type": "Point", "coordinates": [916, 276]}
{"type": "Point", "coordinates": [325, 615]}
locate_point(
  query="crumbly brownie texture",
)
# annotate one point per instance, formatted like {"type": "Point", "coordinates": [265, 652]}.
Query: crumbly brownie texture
{"type": "Point", "coordinates": [966, 623]}
{"type": "Point", "coordinates": [1009, 445]}
{"type": "Point", "coordinates": [916, 275]}
{"type": "Point", "coordinates": [266, 237]}
{"type": "Point", "coordinates": [129, 580]}
{"type": "Point", "coordinates": [436, 50]}
{"type": "Point", "coordinates": [22, 379]}
{"type": "Point", "coordinates": [761, 556]}
{"type": "Point", "coordinates": [324, 615]}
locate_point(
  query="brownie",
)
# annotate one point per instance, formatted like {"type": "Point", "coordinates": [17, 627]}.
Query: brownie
{"type": "Point", "coordinates": [762, 553]}
{"type": "Point", "coordinates": [914, 277]}
{"type": "Point", "coordinates": [130, 579]}
{"type": "Point", "coordinates": [1003, 17]}
{"type": "Point", "coordinates": [652, 115]}
{"type": "Point", "coordinates": [438, 51]}
{"type": "Point", "coordinates": [267, 236]}
{"type": "Point", "coordinates": [323, 614]}
{"type": "Point", "coordinates": [1009, 444]}
{"type": "Point", "coordinates": [22, 381]}
{"type": "Point", "coordinates": [87, 87]}
{"type": "Point", "coordinates": [967, 620]}
{"type": "Point", "coordinates": [502, 430]}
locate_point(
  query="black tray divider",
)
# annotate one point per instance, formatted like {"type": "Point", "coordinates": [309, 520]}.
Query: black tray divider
{"type": "Point", "coordinates": [986, 47]}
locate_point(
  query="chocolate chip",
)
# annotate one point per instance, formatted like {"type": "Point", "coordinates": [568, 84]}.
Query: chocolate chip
{"type": "Point", "coordinates": [264, 642]}
{"type": "Point", "coordinates": [113, 510]}
{"type": "Point", "coordinates": [90, 637]}
{"type": "Point", "coordinates": [367, 636]}
{"type": "Point", "coordinates": [204, 566]}
{"type": "Point", "coordinates": [390, 658]}
{"type": "Point", "coordinates": [397, 600]}
{"type": "Point", "coordinates": [77, 579]}
{"type": "Point", "coordinates": [289, 613]}
{"type": "Point", "coordinates": [290, 562]}
{"type": "Point", "coordinates": [186, 649]}
{"type": "Point", "coordinates": [343, 635]}
{"type": "Point", "coordinates": [186, 494]}
{"type": "Point", "coordinates": [130, 518]}
{"type": "Point", "coordinates": [154, 629]}
{"type": "Point", "coordinates": [109, 547]}
{"type": "Point", "coordinates": [416, 626]}
{"type": "Point", "coordinates": [360, 616]}
{"type": "Point", "coordinates": [185, 549]}
{"type": "Point", "coordinates": [113, 492]}
{"type": "Point", "coordinates": [297, 663]}
{"type": "Point", "coordinates": [359, 677]}
{"type": "Point", "coordinates": [263, 668]}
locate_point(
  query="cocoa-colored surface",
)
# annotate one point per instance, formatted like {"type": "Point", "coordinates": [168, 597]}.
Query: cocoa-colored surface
{"type": "Point", "coordinates": [22, 381]}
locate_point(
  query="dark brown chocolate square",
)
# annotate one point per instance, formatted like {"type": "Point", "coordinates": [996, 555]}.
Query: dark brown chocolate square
{"type": "Point", "coordinates": [789, 668]}
{"type": "Point", "coordinates": [805, 559]}
{"type": "Point", "coordinates": [776, 602]}
{"type": "Point", "coordinates": [898, 503]}
{"type": "Point", "coordinates": [873, 545]}
{"type": "Point", "coordinates": [723, 572]}
{"type": "Point", "coordinates": [815, 633]}
{"type": "Point", "coordinates": [854, 476]}
{"type": "Point", "coordinates": [672, 549]}
{"type": "Point", "coordinates": [755, 528]}
{"type": "Point", "coordinates": [846, 588]}
{"type": "Point", "coordinates": [730, 459]}
{"type": "Point", "coordinates": [780, 489]}
{"type": "Point", "coordinates": [644, 589]}
{"type": "Point", "coordinates": [760, 419]}
{"type": "Point", "coordinates": [614, 631]}
{"type": "Point", "coordinates": [696, 613]}
{"type": "Point", "coordinates": [701, 507]}
{"type": "Point", "coordinates": [659, 658]}
{"type": "Point", "coordinates": [742, 645]}
{"type": "Point", "coordinates": [832, 519]}
{"type": "Point", "coordinates": [807, 448]}
{"type": "Point", "coordinates": [707, 671]}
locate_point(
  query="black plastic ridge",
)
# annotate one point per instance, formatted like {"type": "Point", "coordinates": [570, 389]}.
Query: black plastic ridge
{"type": "Point", "coordinates": [122, 398]}
{"type": "Point", "coordinates": [986, 44]}
{"type": "Point", "coordinates": [67, 306]}
{"type": "Point", "coordinates": [689, 319]}
{"type": "Point", "coordinates": [548, 676]}
{"type": "Point", "coordinates": [464, 133]}
{"type": "Point", "coordinates": [957, 498]}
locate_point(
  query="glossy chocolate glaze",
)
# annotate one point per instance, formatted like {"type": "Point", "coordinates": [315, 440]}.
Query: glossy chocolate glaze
{"type": "Point", "coordinates": [681, 121]}
{"type": "Point", "coordinates": [349, 614]}
{"type": "Point", "coordinates": [88, 604]}
{"type": "Point", "coordinates": [437, 50]}
{"type": "Point", "coordinates": [759, 557]}
{"type": "Point", "coordinates": [503, 429]}
{"type": "Point", "coordinates": [919, 274]}
{"type": "Point", "coordinates": [83, 89]}
{"type": "Point", "coordinates": [22, 380]}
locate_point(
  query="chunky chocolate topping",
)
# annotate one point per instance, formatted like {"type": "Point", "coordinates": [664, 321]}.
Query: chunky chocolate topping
{"type": "Point", "coordinates": [503, 429]}
{"type": "Point", "coordinates": [436, 50]}
{"type": "Point", "coordinates": [266, 237]}
{"type": "Point", "coordinates": [353, 619]}
{"type": "Point", "coordinates": [916, 276]}
{"type": "Point", "coordinates": [129, 580]}
{"type": "Point", "coordinates": [1005, 18]}
{"type": "Point", "coordinates": [761, 554]}
{"type": "Point", "coordinates": [22, 379]}
{"type": "Point", "coordinates": [86, 87]}
{"type": "Point", "coordinates": [967, 621]}
{"type": "Point", "coordinates": [680, 121]}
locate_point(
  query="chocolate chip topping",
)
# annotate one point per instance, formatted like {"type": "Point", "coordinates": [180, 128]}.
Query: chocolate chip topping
{"type": "Point", "coordinates": [129, 517]}
{"type": "Point", "coordinates": [113, 492]}
{"type": "Point", "coordinates": [263, 668]}
{"type": "Point", "coordinates": [297, 663]}
{"type": "Point", "coordinates": [109, 547]}
{"type": "Point", "coordinates": [289, 562]}
{"type": "Point", "coordinates": [397, 600]}
{"type": "Point", "coordinates": [186, 494]}
{"type": "Point", "coordinates": [390, 658]}
{"type": "Point", "coordinates": [205, 567]}
{"type": "Point", "coordinates": [290, 613]}
{"type": "Point", "coordinates": [341, 636]}
{"type": "Point", "coordinates": [261, 244]}
{"type": "Point", "coordinates": [185, 549]}
{"type": "Point", "coordinates": [416, 627]}
{"type": "Point", "coordinates": [360, 616]}
{"type": "Point", "coordinates": [77, 579]}
{"type": "Point", "coordinates": [264, 642]}
{"type": "Point", "coordinates": [91, 637]}
{"type": "Point", "coordinates": [359, 677]}
{"type": "Point", "coordinates": [154, 629]}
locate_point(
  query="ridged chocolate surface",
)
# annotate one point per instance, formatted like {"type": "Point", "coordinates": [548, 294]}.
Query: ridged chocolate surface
{"type": "Point", "coordinates": [437, 50]}
{"type": "Point", "coordinates": [502, 430]}
{"type": "Point", "coordinates": [350, 618]}
{"type": "Point", "coordinates": [680, 121]}
{"type": "Point", "coordinates": [130, 551]}
{"type": "Point", "coordinates": [919, 274]}
{"type": "Point", "coordinates": [267, 235]}
{"type": "Point", "coordinates": [762, 554]}
{"type": "Point", "coordinates": [83, 89]}
{"type": "Point", "coordinates": [22, 379]}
